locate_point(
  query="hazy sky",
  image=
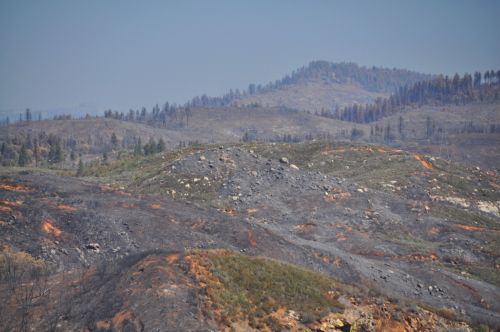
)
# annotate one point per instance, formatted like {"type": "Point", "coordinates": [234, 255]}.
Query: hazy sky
{"type": "Point", "coordinates": [121, 54]}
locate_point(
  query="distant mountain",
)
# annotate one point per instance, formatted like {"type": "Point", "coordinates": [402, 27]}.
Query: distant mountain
{"type": "Point", "coordinates": [374, 79]}
{"type": "Point", "coordinates": [323, 85]}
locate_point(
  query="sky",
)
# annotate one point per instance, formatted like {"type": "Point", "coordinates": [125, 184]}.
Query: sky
{"type": "Point", "coordinates": [118, 54]}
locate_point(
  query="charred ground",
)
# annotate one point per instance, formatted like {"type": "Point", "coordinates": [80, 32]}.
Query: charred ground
{"type": "Point", "coordinates": [418, 231]}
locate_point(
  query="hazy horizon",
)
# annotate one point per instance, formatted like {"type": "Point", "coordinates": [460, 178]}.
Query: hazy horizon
{"type": "Point", "coordinates": [120, 55]}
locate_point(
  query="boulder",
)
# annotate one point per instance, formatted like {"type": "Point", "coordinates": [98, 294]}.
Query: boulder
{"type": "Point", "coordinates": [93, 246]}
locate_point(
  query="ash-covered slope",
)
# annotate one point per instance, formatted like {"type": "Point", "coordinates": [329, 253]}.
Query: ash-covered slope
{"type": "Point", "coordinates": [401, 224]}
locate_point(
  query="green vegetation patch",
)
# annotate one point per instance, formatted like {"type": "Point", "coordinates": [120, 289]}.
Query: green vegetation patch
{"type": "Point", "coordinates": [244, 287]}
{"type": "Point", "coordinates": [486, 273]}
{"type": "Point", "coordinates": [457, 215]}
{"type": "Point", "coordinates": [151, 175]}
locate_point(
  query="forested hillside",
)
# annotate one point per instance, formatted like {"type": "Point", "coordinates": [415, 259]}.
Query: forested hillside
{"type": "Point", "coordinates": [443, 90]}
{"type": "Point", "coordinates": [370, 81]}
{"type": "Point", "coordinates": [324, 85]}
{"type": "Point", "coordinates": [375, 79]}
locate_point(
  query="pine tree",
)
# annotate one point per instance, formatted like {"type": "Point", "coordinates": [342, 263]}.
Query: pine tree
{"type": "Point", "coordinates": [114, 140]}
{"type": "Point", "coordinates": [401, 126]}
{"type": "Point", "coordinates": [24, 158]}
{"type": "Point", "coordinates": [29, 142]}
{"type": "Point", "coordinates": [59, 153]}
{"type": "Point", "coordinates": [152, 146]}
{"type": "Point", "coordinates": [52, 152]}
{"type": "Point", "coordinates": [56, 153]}
{"type": "Point", "coordinates": [28, 114]}
{"type": "Point", "coordinates": [387, 133]}
{"type": "Point", "coordinates": [36, 152]}
{"type": "Point", "coordinates": [487, 76]}
{"type": "Point", "coordinates": [188, 113]}
{"type": "Point", "coordinates": [138, 147]}
{"type": "Point", "coordinates": [81, 168]}
{"type": "Point", "coordinates": [477, 79]}
{"type": "Point", "coordinates": [3, 150]}
{"type": "Point", "coordinates": [160, 147]}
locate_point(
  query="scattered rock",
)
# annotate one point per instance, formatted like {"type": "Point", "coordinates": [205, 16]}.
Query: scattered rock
{"type": "Point", "coordinates": [93, 246]}
{"type": "Point", "coordinates": [489, 207]}
{"type": "Point", "coordinates": [284, 160]}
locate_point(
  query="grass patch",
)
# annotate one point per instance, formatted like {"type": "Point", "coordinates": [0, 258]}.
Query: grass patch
{"type": "Point", "coordinates": [485, 273]}
{"type": "Point", "coordinates": [14, 170]}
{"type": "Point", "coordinates": [446, 313]}
{"type": "Point", "coordinates": [462, 216]}
{"type": "Point", "coordinates": [253, 288]}
{"type": "Point", "coordinates": [150, 175]}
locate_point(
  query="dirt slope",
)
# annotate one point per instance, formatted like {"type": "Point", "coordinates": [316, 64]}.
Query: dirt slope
{"type": "Point", "coordinates": [314, 96]}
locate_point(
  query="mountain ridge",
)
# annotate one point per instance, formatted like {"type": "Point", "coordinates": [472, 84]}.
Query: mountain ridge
{"type": "Point", "coordinates": [367, 82]}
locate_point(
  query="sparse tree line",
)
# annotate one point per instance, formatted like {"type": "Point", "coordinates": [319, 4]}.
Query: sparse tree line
{"type": "Point", "coordinates": [474, 128]}
{"type": "Point", "coordinates": [28, 116]}
{"type": "Point", "coordinates": [150, 147]}
{"type": "Point", "coordinates": [42, 149]}
{"type": "Point", "coordinates": [39, 149]}
{"type": "Point", "coordinates": [168, 116]}
{"type": "Point", "coordinates": [442, 90]}
{"type": "Point", "coordinates": [389, 133]}
{"type": "Point", "coordinates": [252, 136]}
